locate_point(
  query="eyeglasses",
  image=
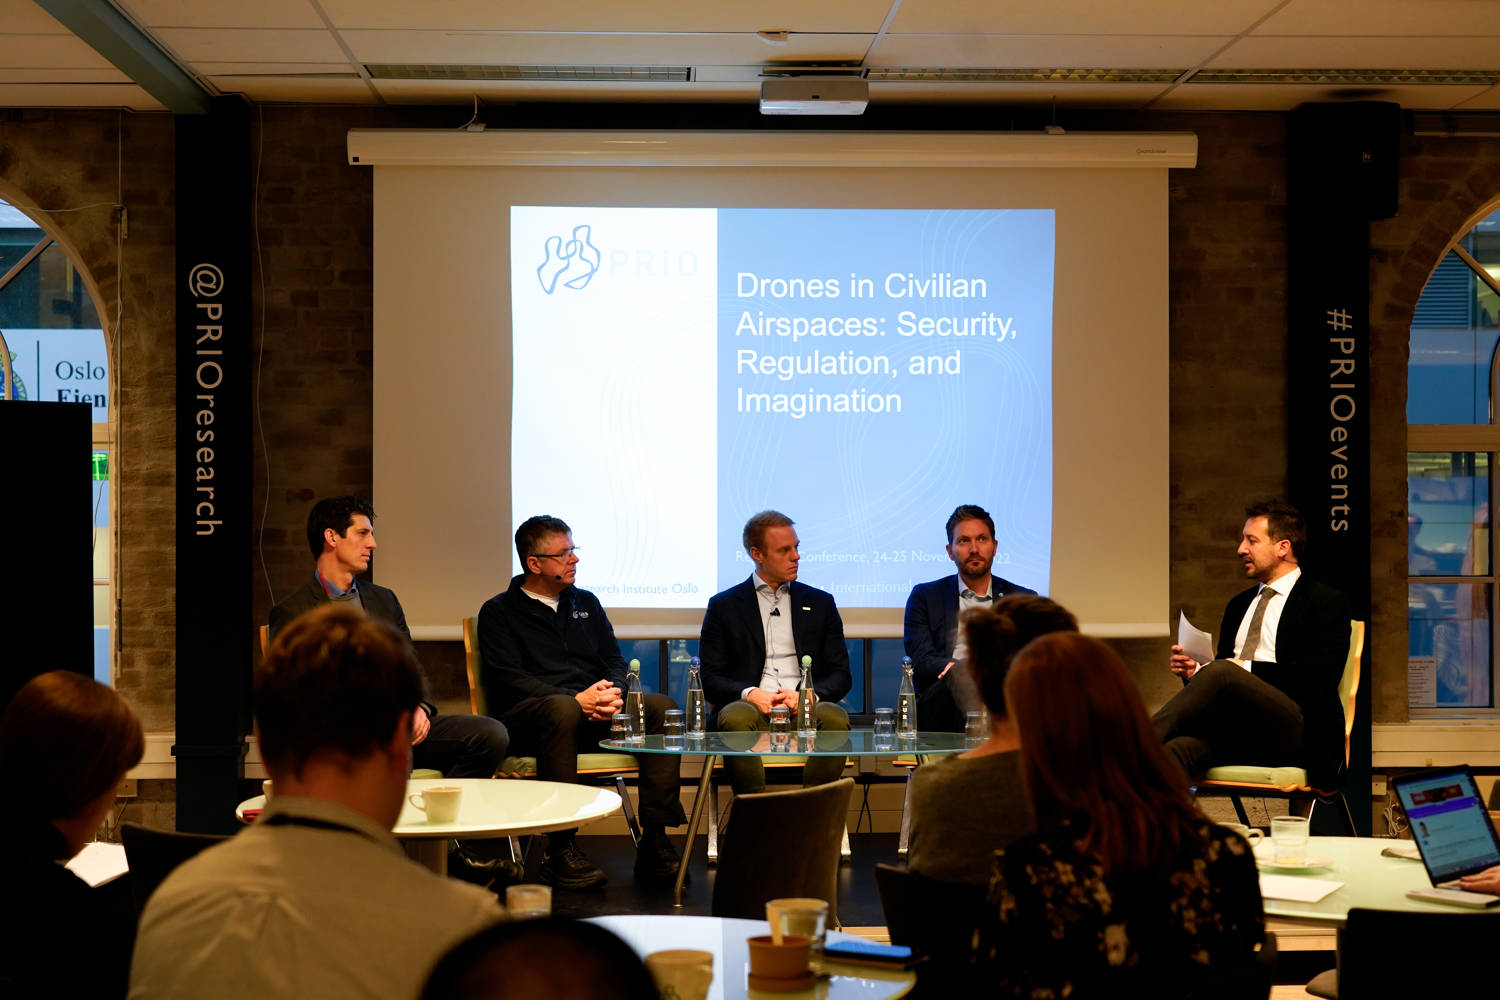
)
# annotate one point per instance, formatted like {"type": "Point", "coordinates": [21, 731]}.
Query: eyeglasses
{"type": "Point", "coordinates": [564, 554]}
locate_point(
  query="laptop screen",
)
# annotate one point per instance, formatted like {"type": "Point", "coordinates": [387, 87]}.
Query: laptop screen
{"type": "Point", "coordinates": [1448, 821]}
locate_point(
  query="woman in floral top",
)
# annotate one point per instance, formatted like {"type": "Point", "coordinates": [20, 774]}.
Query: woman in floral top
{"type": "Point", "coordinates": [1126, 886]}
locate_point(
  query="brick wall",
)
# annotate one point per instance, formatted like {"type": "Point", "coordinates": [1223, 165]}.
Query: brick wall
{"type": "Point", "coordinates": [1228, 383]}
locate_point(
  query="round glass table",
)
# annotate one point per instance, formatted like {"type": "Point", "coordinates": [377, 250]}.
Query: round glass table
{"type": "Point", "coordinates": [770, 746]}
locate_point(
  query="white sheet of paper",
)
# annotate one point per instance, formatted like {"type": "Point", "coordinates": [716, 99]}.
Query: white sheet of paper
{"type": "Point", "coordinates": [99, 863]}
{"type": "Point", "coordinates": [1296, 888]}
{"type": "Point", "coordinates": [1194, 641]}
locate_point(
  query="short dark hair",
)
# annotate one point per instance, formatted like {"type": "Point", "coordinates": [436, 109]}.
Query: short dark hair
{"type": "Point", "coordinates": [336, 513]}
{"type": "Point", "coordinates": [333, 680]}
{"type": "Point", "coordinates": [969, 512]}
{"type": "Point", "coordinates": [532, 530]}
{"type": "Point", "coordinates": [994, 635]}
{"type": "Point", "coordinates": [583, 960]}
{"type": "Point", "coordinates": [754, 536]}
{"type": "Point", "coordinates": [1283, 522]}
{"type": "Point", "coordinates": [70, 739]}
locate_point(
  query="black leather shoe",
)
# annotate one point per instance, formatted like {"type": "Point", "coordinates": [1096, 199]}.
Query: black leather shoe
{"type": "Point", "coordinates": [569, 868]}
{"type": "Point", "coordinates": [656, 858]}
{"type": "Point", "coordinates": [469, 867]}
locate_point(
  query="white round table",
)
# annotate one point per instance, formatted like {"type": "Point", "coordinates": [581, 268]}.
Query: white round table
{"type": "Point", "coordinates": [725, 937]}
{"type": "Point", "coordinates": [491, 807]}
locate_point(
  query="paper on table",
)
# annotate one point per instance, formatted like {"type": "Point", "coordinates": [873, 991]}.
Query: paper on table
{"type": "Point", "coordinates": [99, 863]}
{"type": "Point", "coordinates": [1194, 641]}
{"type": "Point", "coordinates": [1296, 888]}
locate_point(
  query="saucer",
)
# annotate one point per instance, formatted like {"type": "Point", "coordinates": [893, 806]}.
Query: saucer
{"type": "Point", "coordinates": [791, 984]}
{"type": "Point", "coordinates": [1305, 865]}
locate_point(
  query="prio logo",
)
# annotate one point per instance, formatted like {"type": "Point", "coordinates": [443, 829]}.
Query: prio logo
{"type": "Point", "coordinates": [574, 262]}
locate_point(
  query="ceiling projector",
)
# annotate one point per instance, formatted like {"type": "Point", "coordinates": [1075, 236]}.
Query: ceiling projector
{"type": "Point", "coordinates": [814, 95]}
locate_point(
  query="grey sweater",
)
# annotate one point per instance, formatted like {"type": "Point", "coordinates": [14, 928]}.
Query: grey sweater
{"type": "Point", "coordinates": [962, 811]}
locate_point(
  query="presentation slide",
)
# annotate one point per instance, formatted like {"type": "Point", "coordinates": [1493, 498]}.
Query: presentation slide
{"type": "Point", "coordinates": [692, 366]}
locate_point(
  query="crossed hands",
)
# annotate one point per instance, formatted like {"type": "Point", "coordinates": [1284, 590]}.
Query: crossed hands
{"type": "Point", "coordinates": [764, 701]}
{"type": "Point", "coordinates": [600, 700]}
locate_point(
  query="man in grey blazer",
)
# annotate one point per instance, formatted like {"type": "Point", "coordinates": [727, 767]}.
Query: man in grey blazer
{"type": "Point", "coordinates": [752, 642]}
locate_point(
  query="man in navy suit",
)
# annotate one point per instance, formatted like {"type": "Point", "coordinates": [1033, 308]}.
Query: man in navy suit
{"type": "Point", "coordinates": [931, 634]}
{"type": "Point", "coordinates": [1271, 695]}
{"type": "Point", "coordinates": [753, 639]}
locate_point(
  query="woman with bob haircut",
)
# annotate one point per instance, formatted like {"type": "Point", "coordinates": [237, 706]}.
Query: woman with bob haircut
{"type": "Point", "coordinates": [1125, 886]}
{"type": "Point", "coordinates": [66, 741]}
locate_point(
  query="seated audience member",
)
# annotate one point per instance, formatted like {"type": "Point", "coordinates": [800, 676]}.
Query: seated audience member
{"type": "Point", "coordinates": [65, 743]}
{"type": "Point", "coordinates": [1126, 889]}
{"type": "Point", "coordinates": [315, 899]}
{"type": "Point", "coordinates": [966, 807]}
{"type": "Point", "coordinates": [581, 961]}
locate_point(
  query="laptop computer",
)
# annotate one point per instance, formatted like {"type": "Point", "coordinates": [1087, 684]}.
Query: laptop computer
{"type": "Point", "coordinates": [1452, 831]}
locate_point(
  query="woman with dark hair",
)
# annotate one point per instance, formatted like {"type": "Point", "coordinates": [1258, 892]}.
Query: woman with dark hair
{"type": "Point", "coordinates": [1125, 886]}
{"type": "Point", "coordinates": [967, 806]}
{"type": "Point", "coordinates": [66, 741]}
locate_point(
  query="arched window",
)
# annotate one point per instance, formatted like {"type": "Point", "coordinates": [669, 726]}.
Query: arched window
{"type": "Point", "coordinates": [1453, 440]}
{"type": "Point", "coordinates": [52, 348]}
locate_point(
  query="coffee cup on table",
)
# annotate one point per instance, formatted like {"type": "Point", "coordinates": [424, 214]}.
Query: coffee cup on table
{"type": "Point", "coordinates": [439, 802]}
{"type": "Point", "coordinates": [772, 961]}
{"type": "Point", "coordinates": [1248, 832]}
{"type": "Point", "coordinates": [681, 973]}
{"type": "Point", "coordinates": [265, 789]}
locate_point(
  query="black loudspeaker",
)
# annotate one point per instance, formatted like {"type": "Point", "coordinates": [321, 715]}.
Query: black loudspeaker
{"type": "Point", "coordinates": [1344, 159]}
{"type": "Point", "coordinates": [46, 508]}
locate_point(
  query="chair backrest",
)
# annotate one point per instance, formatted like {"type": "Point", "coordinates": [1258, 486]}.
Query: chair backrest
{"type": "Point", "coordinates": [264, 634]}
{"type": "Point", "coordinates": [1349, 682]}
{"type": "Point", "coordinates": [152, 854]}
{"type": "Point", "coordinates": [471, 666]}
{"type": "Point", "coordinates": [782, 843]}
{"type": "Point", "coordinates": [935, 917]}
{"type": "Point", "coordinates": [1389, 953]}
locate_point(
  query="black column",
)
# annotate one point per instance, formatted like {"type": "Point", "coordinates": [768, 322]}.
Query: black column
{"type": "Point", "coordinates": [1341, 173]}
{"type": "Point", "coordinates": [213, 506]}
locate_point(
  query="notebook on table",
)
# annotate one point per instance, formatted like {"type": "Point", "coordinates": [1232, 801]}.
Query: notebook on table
{"type": "Point", "coordinates": [1452, 830]}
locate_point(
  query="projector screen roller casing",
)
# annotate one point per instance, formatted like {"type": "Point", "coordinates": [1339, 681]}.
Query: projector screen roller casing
{"type": "Point", "coordinates": [443, 374]}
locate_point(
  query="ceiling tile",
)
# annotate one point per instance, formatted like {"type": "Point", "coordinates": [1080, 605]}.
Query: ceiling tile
{"type": "Point", "coordinates": [1385, 17]}
{"type": "Point", "coordinates": [1284, 97]}
{"type": "Point", "coordinates": [676, 16]}
{"type": "Point", "coordinates": [252, 45]}
{"type": "Point", "coordinates": [223, 13]}
{"type": "Point", "coordinates": [48, 52]}
{"type": "Point", "coordinates": [1062, 17]}
{"type": "Point", "coordinates": [89, 76]}
{"type": "Point", "coordinates": [62, 95]}
{"type": "Point", "coordinates": [1361, 53]}
{"type": "Point", "coordinates": [1011, 51]}
{"type": "Point", "coordinates": [311, 90]}
{"type": "Point", "coordinates": [458, 92]}
{"type": "Point", "coordinates": [545, 49]}
{"type": "Point", "coordinates": [24, 17]}
{"type": "Point", "coordinates": [1032, 95]}
{"type": "Point", "coordinates": [273, 68]}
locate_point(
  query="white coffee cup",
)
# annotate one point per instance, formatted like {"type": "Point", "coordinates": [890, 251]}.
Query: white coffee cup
{"type": "Point", "coordinates": [440, 803]}
{"type": "Point", "coordinates": [1248, 832]}
{"type": "Point", "coordinates": [681, 974]}
{"type": "Point", "coordinates": [265, 789]}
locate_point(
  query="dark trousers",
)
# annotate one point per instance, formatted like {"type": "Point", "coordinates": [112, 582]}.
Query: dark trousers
{"type": "Point", "coordinates": [462, 746]}
{"type": "Point", "coordinates": [938, 711]}
{"type": "Point", "coordinates": [748, 774]}
{"type": "Point", "coordinates": [1227, 715]}
{"type": "Point", "coordinates": [554, 730]}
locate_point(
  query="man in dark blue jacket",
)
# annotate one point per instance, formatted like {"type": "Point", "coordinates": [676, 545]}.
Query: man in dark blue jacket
{"type": "Point", "coordinates": [753, 639]}
{"type": "Point", "coordinates": [553, 673]}
{"type": "Point", "coordinates": [931, 633]}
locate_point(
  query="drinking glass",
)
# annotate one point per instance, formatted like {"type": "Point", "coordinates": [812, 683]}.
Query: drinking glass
{"type": "Point", "coordinates": [781, 727]}
{"type": "Point", "coordinates": [975, 730]}
{"type": "Point", "coordinates": [1289, 839]}
{"type": "Point", "coordinates": [622, 726]}
{"type": "Point", "coordinates": [672, 727]}
{"type": "Point", "coordinates": [885, 728]}
{"type": "Point", "coordinates": [524, 901]}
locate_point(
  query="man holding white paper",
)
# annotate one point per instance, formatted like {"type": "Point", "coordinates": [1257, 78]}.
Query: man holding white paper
{"type": "Point", "coordinates": [1271, 695]}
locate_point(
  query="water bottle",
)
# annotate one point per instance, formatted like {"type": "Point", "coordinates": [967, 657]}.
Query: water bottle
{"type": "Point", "coordinates": [807, 719]}
{"type": "Point", "coordinates": [634, 703]}
{"type": "Point", "coordinates": [697, 705]}
{"type": "Point", "coordinates": [906, 703]}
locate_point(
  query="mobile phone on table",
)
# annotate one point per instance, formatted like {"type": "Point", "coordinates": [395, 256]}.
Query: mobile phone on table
{"type": "Point", "coordinates": [890, 956]}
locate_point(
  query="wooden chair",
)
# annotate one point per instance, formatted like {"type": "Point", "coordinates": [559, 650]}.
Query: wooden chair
{"type": "Point", "coordinates": [1392, 953]}
{"type": "Point", "coordinates": [934, 917]}
{"type": "Point", "coordinates": [152, 855]}
{"type": "Point", "coordinates": [1290, 783]}
{"type": "Point", "coordinates": [846, 854]}
{"type": "Point", "coordinates": [782, 843]}
{"type": "Point", "coordinates": [607, 767]}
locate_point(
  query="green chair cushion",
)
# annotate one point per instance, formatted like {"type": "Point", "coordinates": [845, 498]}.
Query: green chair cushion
{"type": "Point", "coordinates": [425, 772]}
{"type": "Point", "coordinates": [586, 762]}
{"type": "Point", "coordinates": [1280, 777]}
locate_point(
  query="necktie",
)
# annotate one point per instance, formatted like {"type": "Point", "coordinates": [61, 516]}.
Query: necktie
{"type": "Point", "coordinates": [1252, 634]}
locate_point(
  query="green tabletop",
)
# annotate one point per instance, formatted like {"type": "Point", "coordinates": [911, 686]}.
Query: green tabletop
{"type": "Point", "coordinates": [1371, 881]}
{"type": "Point", "coordinates": [832, 743]}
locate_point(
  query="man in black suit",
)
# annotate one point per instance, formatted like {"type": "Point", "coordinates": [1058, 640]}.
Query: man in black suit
{"type": "Point", "coordinates": [341, 535]}
{"type": "Point", "coordinates": [1271, 695]}
{"type": "Point", "coordinates": [752, 642]}
{"type": "Point", "coordinates": [931, 633]}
